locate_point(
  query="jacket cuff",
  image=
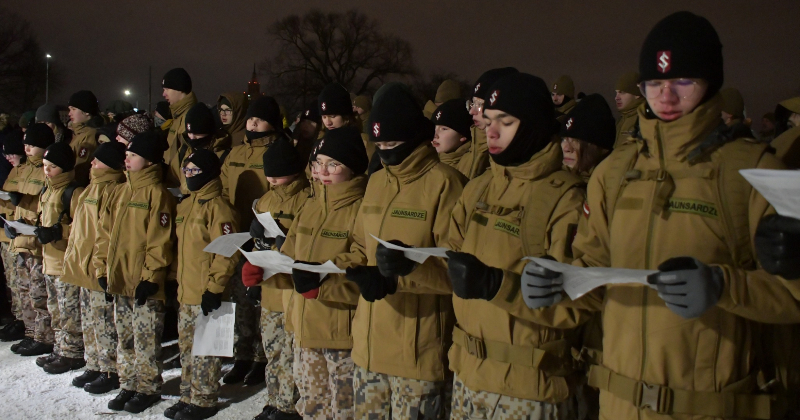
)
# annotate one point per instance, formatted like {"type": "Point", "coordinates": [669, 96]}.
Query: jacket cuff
{"type": "Point", "coordinates": [214, 287]}
{"type": "Point", "coordinates": [726, 300]}
{"type": "Point", "coordinates": [509, 289]}
{"type": "Point", "coordinates": [156, 277]}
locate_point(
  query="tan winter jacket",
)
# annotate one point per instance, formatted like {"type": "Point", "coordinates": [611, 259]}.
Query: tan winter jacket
{"type": "Point", "coordinates": [51, 208]}
{"type": "Point", "coordinates": [30, 183]}
{"type": "Point", "coordinates": [178, 126]}
{"type": "Point", "coordinates": [83, 143]}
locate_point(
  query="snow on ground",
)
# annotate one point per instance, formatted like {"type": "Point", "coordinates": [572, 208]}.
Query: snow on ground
{"type": "Point", "coordinates": [27, 392]}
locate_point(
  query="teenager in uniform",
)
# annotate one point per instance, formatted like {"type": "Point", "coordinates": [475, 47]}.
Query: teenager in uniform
{"type": "Point", "coordinates": [289, 192]}
{"type": "Point", "coordinates": [400, 328]}
{"type": "Point", "coordinates": [673, 201]}
{"type": "Point", "coordinates": [563, 96]}
{"type": "Point", "coordinates": [243, 182]}
{"type": "Point", "coordinates": [627, 98]}
{"type": "Point", "coordinates": [732, 107]}
{"type": "Point", "coordinates": [177, 90]}
{"type": "Point", "coordinates": [322, 309]}
{"type": "Point", "coordinates": [525, 205]}
{"type": "Point", "coordinates": [82, 108]}
{"type": "Point", "coordinates": [134, 251]}
{"type": "Point", "coordinates": [362, 105]}
{"type": "Point", "coordinates": [453, 139]}
{"type": "Point", "coordinates": [587, 136]}
{"type": "Point", "coordinates": [49, 114]}
{"type": "Point", "coordinates": [201, 218]}
{"type": "Point", "coordinates": [131, 126]}
{"type": "Point", "coordinates": [200, 133]}
{"type": "Point", "coordinates": [232, 108]}
{"type": "Point", "coordinates": [56, 208]}
{"type": "Point", "coordinates": [37, 139]}
{"type": "Point", "coordinates": [448, 90]}
{"type": "Point", "coordinates": [478, 154]}
{"type": "Point", "coordinates": [97, 308]}
{"type": "Point", "coordinates": [336, 110]}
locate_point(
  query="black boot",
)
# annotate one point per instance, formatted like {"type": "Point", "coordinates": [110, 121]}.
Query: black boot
{"type": "Point", "coordinates": [36, 349]}
{"type": "Point", "coordinates": [174, 409]}
{"type": "Point", "coordinates": [266, 413]}
{"type": "Point", "coordinates": [27, 341]}
{"type": "Point", "coordinates": [282, 415]}
{"type": "Point", "coordinates": [13, 331]}
{"type": "Point", "coordinates": [84, 378]}
{"type": "Point", "coordinates": [118, 403]}
{"type": "Point", "coordinates": [195, 412]}
{"type": "Point", "coordinates": [106, 382]}
{"type": "Point", "coordinates": [64, 364]}
{"type": "Point", "coordinates": [43, 360]}
{"type": "Point", "coordinates": [141, 402]}
{"type": "Point", "coordinates": [256, 374]}
{"type": "Point", "coordinates": [238, 372]}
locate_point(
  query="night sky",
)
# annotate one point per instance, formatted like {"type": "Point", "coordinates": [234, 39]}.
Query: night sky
{"type": "Point", "coordinates": [107, 46]}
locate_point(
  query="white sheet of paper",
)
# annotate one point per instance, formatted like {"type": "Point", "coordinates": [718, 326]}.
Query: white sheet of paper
{"type": "Point", "coordinates": [323, 269]}
{"type": "Point", "coordinates": [175, 191]}
{"type": "Point", "coordinates": [418, 255]}
{"type": "Point", "coordinates": [273, 262]}
{"type": "Point", "coordinates": [213, 334]}
{"type": "Point", "coordinates": [21, 228]}
{"type": "Point", "coordinates": [227, 245]}
{"type": "Point", "coordinates": [5, 196]}
{"type": "Point", "coordinates": [271, 228]}
{"type": "Point", "coordinates": [780, 187]}
{"type": "Point", "coordinates": [579, 280]}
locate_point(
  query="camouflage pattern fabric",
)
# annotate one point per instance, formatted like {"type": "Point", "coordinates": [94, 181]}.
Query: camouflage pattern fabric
{"type": "Point", "coordinates": [99, 331]}
{"type": "Point", "coordinates": [380, 396]}
{"type": "Point", "coordinates": [10, 270]}
{"type": "Point", "coordinates": [469, 405]}
{"type": "Point", "coordinates": [324, 378]}
{"type": "Point", "coordinates": [199, 374]}
{"type": "Point", "coordinates": [70, 332]}
{"type": "Point", "coordinates": [23, 285]}
{"type": "Point", "coordinates": [139, 329]}
{"type": "Point", "coordinates": [52, 309]}
{"type": "Point", "coordinates": [281, 390]}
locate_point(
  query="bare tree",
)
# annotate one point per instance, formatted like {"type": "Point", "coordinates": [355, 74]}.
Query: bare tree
{"type": "Point", "coordinates": [22, 66]}
{"type": "Point", "coordinates": [320, 48]}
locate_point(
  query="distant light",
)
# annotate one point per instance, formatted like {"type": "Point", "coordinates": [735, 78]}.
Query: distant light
{"type": "Point", "coordinates": [49, 56]}
{"type": "Point", "coordinates": [127, 93]}
{"type": "Point", "coordinates": [135, 109]}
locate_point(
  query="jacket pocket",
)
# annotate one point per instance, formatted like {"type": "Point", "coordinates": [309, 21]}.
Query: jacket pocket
{"type": "Point", "coordinates": [138, 265]}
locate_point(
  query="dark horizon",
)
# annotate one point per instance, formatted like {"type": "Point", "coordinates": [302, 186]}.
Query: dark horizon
{"type": "Point", "coordinates": [108, 48]}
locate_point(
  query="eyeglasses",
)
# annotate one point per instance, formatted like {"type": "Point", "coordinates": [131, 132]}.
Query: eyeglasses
{"type": "Point", "coordinates": [331, 168]}
{"type": "Point", "coordinates": [191, 171]}
{"type": "Point", "coordinates": [683, 88]}
{"type": "Point", "coordinates": [476, 104]}
{"type": "Point", "coordinates": [225, 111]}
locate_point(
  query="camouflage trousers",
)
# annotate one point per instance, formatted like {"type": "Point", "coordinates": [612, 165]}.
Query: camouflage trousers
{"type": "Point", "coordinates": [10, 271]}
{"type": "Point", "coordinates": [246, 332]}
{"type": "Point", "coordinates": [380, 396]}
{"type": "Point", "coordinates": [139, 329]}
{"type": "Point", "coordinates": [471, 405]}
{"type": "Point", "coordinates": [53, 310]}
{"type": "Point", "coordinates": [281, 390]}
{"type": "Point", "coordinates": [69, 335]}
{"type": "Point", "coordinates": [22, 291]}
{"type": "Point", "coordinates": [31, 269]}
{"type": "Point", "coordinates": [99, 331]}
{"type": "Point", "coordinates": [324, 378]}
{"type": "Point", "coordinates": [199, 374]}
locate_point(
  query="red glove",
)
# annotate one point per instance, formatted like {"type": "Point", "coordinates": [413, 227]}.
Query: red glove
{"type": "Point", "coordinates": [311, 294]}
{"type": "Point", "coordinates": [251, 274]}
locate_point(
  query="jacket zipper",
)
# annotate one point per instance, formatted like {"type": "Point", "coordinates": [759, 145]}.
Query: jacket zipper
{"type": "Point", "coordinates": [311, 249]}
{"type": "Point", "coordinates": [116, 237]}
{"type": "Point", "coordinates": [182, 253]}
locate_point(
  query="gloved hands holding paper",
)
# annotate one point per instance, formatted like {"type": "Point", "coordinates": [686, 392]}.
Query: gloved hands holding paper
{"type": "Point", "coordinates": [418, 255]}
{"type": "Point", "coordinates": [271, 228]}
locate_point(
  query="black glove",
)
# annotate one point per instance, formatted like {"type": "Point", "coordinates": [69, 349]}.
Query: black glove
{"type": "Point", "coordinates": [392, 262]}
{"type": "Point", "coordinates": [15, 197]}
{"type": "Point", "coordinates": [109, 297]}
{"type": "Point", "coordinates": [471, 278]}
{"type": "Point", "coordinates": [688, 286]}
{"type": "Point", "coordinates": [144, 290]}
{"type": "Point", "coordinates": [540, 287]}
{"type": "Point", "coordinates": [778, 246]}
{"type": "Point", "coordinates": [103, 282]}
{"type": "Point", "coordinates": [11, 233]}
{"type": "Point", "coordinates": [254, 294]}
{"type": "Point", "coordinates": [305, 281]}
{"type": "Point", "coordinates": [3, 220]}
{"type": "Point", "coordinates": [279, 240]}
{"type": "Point", "coordinates": [210, 302]}
{"type": "Point", "coordinates": [256, 229]}
{"type": "Point", "coordinates": [372, 284]}
{"type": "Point", "coordinates": [45, 235]}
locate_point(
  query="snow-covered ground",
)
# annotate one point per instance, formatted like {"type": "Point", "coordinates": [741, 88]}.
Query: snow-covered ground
{"type": "Point", "coordinates": [27, 392]}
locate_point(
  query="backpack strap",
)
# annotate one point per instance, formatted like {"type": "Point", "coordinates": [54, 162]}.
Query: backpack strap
{"type": "Point", "coordinates": [182, 153]}
{"type": "Point", "coordinates": [224, 155]}
{"type": "Point", "coordinates": [66, 200]}
{"type": "Point", "coordinates": [619, 172]}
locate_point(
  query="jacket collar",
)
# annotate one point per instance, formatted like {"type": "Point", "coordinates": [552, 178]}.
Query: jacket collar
{"type": "Point", "coordinates": [103, 175]}
{"type": "Point", "coordinates": [212, 189]}
{"type": "Point", "coordinates": [35, 160]}
{"type": "Point", "coordinates": [180, 107]}
{"type": "Point", "coordinates": [292, 188]}
{"type": "Point", "coordinates": [60, 180]}
{"type": "Point", "coordinates": [542, 164]}
{"type": "Point", "coordinates": [145, 177]}
{"type": "Point", "coordinates": [453, 157]}
{"type": "Point", "coordinates": [344, 193]}
{"type": "Point", "coordinates": [79, 128]}
{"type": "Point", "coordinates": [263, 141]}
{"type": "Point", "coordinates": [678, 138]}
{"type": "Point", "coordinates": [632, 108]}
{"type": "Point", "coordinates": [417, 164]}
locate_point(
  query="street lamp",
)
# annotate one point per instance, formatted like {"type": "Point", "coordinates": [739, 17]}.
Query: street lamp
{"type": "Point", "coordinates": [127, 92]}
{"type": "Point", "coordinates": [47, 79]}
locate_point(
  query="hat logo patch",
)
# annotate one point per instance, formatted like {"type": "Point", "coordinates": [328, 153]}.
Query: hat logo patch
{"type": "Point", "coordinates": [569, 123]}
{"type": "Point", "coordinates": [664, 61]}
{"type": "Point", "coordinates": [307, 111]}
{"type": "Point", "coordinates": [555, 86]}
{"type": "Point", "coordinates": [83, 152]}
{"type": "Point", "coordinates": [376, 129]}
{"type": "Point", "coordinates": [493, 97]}
{"type": "Point", "coordinates": [438, 115]}
{"type": "Point", "coordinates": [189, 127]}
{"type": "Point", "coordinates": [47, 152]}
{"type": "Point", "coordinates": [227, 228]}
{"type": "Point", "coordinates": [323, 106]}
{"type": "Point", "coordinates": [478, 86]}
{"type": "Point", "coordinates": [163, 219]}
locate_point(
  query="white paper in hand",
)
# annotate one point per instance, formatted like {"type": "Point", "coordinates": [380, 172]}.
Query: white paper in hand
{"type": "Point", "coordinates": [579, 280]}
{"type": "Point", "coordinates": [273, 262]}
{"type": "Point", "coordinates": [21, 228]}
{"type": "Point", "coordinates": [213, 334]}
{"type": "Point", "coordinates": [418, 255]}
{"type": "Point", "coordinates": [323, 269]}
{"type": "Point", "coordinates": [780, 187]}
{"type": "Point", "coordinates": [271, 228]}
{"type": "Point", "coordinates": [5, 196]}
{"type": "Point", "coordinates": [227, 245]}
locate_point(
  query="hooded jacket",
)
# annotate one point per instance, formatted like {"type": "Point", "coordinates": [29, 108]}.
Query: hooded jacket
{"type": "Point", "coordinates": [51, 207]}
{"type": "Point", "coordinates": [629, 116]}
{"type": "Point", "coordinates": [236, 129]}
{"type": "Point", "coordinates": [30, 183]}
{"type": "Point", "coordinates": [83, 143]}
{"type": "Point", "coordinates": [178, 126]}
{"type": "Point", "coordinates": [220, 144]}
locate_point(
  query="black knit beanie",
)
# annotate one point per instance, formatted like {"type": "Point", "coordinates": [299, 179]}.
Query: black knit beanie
{"type": "Point", "coordinates": [591, 121]}
{"type": "Point", "coordinates": [210, 165]}
{"type": "Point", "coordinates": [163, 109]}
{"type": "Point", "coordinates": [527, 98]}
{"type": "Point", "coordinates": [112, 154]}
{"type": "Point", "coordinates": [396, 116]}
{"type": "Point", "coordinates": [345, 145]}
{"type": "Point", "coordinates": [148, 145]}
{"type": "Point", "coordinates": [452, 114]}
{"type": "Point", "coordinates": [177, 79]}
{"type": "Point", "coordinates": [312, 113]}
{"type": "Point", "coordinates": [12, 144]}
{"type": "Point", "coordinates": [683, 45]}
{"type": "Point", "coordinates": [488, 78]}
{"type": "Point", "coordinates": [200, 120]}
{"type": "Point", "coordinates": [39, 135]}
{"type": "Point", "coordinates": [282, 159]}
{"type": "Point", "coordinates": [85, 101]}
{"type": "Point", "coordinates": [335, 100]}
{"type": "Point", "coordinates": [61, 155]}
{"type": "Point", "coordinates": [49, 113]}
{"type": "Point", "coordinates": [267, 109]}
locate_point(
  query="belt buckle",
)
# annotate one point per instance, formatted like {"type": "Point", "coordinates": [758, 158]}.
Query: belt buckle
{"type": "Point", "coordinates": [655, 397]}
{"type": "Point", "coordinates": [476, 347]}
